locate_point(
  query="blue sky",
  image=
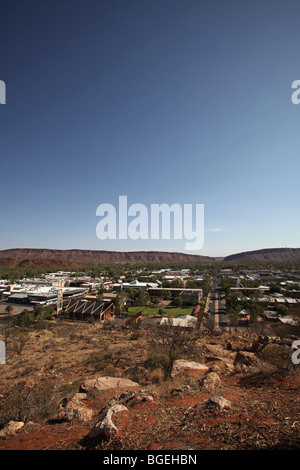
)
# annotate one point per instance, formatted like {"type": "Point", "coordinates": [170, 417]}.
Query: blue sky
{"type": "Point", "coordinates": [164, 101]}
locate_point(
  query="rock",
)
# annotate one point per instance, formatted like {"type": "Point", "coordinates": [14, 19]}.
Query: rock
{"type": "Point", "coordinates": [229, 366]}
{"type": "Point", "coordinates": [11, 428]}
{"type": "Point", "coordinates": [219, 352]}
{"type": "Point", "coordinates": [213, 404]}
{"type": "Point", "coordinates": [185, 367]}
{"type": "Point", "coordinates": [125, 397]}
{"type": "Point", "coordinates": [142, 397]}
{"type": "Point", "coordinates": [76, 409]}
{"type": "Point", "coordinates": [244, 358]}
{"type": "Point", "coordinates": [105, 428]}
{"type": "Point", "coordinates": [131, 398]}
{"type": "Point", "coordinates": [217, 403]}
{"type": "Point", "coordinates": [210, 381]}
{"type": "Point", "coordinates": [214, 368]}
{"type": "Point", "coordinates": [184, 389]}
{"type": "Point", "coordinates": [257, 347]}
{"type": "Point", "coordinates": [31, 426]}
{"type": "Point", "coordinates": [105, 383]}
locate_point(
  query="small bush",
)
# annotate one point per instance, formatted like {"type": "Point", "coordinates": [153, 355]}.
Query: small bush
{"type": "Point", "coordinates": [135, 336]}
{"type": "Point", "coordinates": [101, 359]}
{"type": "Point", "coordinates": [111, 371]}
{"type": "Point", "coordinates": [36, 403]}
{"type": "Point", "coordinates": [157, 376]}
{"type": "Point", "coordinates": [277, 355]}
{"type": "Point", "coordinates": [167, 344]}
{"type": "Point", "coordinates": [69, 389]}
{"type": "Point", "coordinates": [138, 374]}
{"type": "Point", "coordinates": [25, 319]}
{"type": "Point", "coordinates": [162, 357]}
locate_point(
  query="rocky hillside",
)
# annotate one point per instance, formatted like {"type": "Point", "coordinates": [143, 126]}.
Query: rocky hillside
{"type": "Point", "coordinates": [68, 257]}
{"type": "Point", "coordinates": [272, 255]}
{"type": "Point", "coordinates": [38, 263]}
{"type": "Point", "coordinates": [79, 392]}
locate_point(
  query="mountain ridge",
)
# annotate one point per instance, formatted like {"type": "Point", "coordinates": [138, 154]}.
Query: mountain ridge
{"type": "Point", "coordinates": [95, 256]}
{"type": "Point", "coordinates": [266, 255]}
{"type": "Point", "coordinates": [43, 257]}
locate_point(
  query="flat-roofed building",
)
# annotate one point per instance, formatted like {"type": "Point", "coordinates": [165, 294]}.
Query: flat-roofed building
{"type": "Point", "coordinates": [186, 294]}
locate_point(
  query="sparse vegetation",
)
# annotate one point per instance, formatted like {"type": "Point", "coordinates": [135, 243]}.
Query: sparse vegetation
{"type": "Point", "coordinates": [166, 345]}
{"type": "Point", "coordinates": [277, 355]}
{"type": "Point", "coordinates": [37, 403]}
{"type": "Point", "coordinates": [48, 358]}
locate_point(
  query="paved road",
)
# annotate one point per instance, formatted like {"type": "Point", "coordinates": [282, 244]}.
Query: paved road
{"type": "Point", "coordinates": [217, 306]}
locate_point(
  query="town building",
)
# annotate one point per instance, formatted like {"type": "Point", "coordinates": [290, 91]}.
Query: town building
{"type": "Point", "coordinates": [87, 310]}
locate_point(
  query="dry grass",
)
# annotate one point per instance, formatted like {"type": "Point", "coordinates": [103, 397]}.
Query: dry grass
{"type": "Point", "coordinates": [75, 350]}
{"type": "Point", "coordinates": [46, 365]}
{"type": "Point", "coordinates": [69, 350]}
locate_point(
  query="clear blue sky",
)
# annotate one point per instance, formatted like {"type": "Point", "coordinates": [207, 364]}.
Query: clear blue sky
{"type": "Point", "coordinates": [164, 101]}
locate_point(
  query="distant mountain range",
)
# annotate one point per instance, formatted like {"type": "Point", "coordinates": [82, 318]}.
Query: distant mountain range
{"type": "Point", "coordinates": [63, 259]}
{"type": "Point", "coordinates": [273, 255]}
{"type": "Point", "coordinates": [76, 258]}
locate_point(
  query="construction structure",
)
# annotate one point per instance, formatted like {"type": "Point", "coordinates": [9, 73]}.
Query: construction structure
{"type": "Point", "coordinates": [87, 310]}
{"type": "Point", "coordinates": [59, 304]}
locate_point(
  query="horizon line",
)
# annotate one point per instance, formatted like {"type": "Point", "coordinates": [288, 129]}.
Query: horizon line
{"type": "Point", "coordinates": [153, 251]}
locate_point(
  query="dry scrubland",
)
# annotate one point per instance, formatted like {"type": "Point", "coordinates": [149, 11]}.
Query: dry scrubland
{"type": "Point", "coordinates": [48, 363]}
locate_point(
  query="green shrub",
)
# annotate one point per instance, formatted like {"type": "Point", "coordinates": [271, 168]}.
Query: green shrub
{"type": "Point", "coordinates": [25, 319]}
{"type": "Point", "coordinates": [162, 357]}
{"type": "Point", "coordinates": [278, 355]}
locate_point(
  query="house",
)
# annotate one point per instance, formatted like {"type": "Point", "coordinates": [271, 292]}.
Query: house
{"type": "Point", "coordinates": [295, 294]}
{"type": "Point", "coordinates": [270, 315]}
{"type": "Point", "coordinates": [44, 295]}
{"type": "Point", "coordinates": [251, 290]}
{"type": "Point", "coordinates": [135, 285]}
{"type": "Point", "coordinates": [292, 304]}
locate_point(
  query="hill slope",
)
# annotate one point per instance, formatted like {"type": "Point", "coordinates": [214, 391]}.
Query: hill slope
{"type": "Point", "coordinates": [37, 256]}
{"type": "Point", "coordinates": [63, 259]}
{"type": "Point", "coordinates": [266, 255]}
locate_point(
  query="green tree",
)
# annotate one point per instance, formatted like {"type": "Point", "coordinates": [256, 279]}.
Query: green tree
{"type": "Point", "coordinates": [234, 318]}
{"type": "Point", "coordinates": [120, 302]}
{"type": "Point", "coordinates": [177, 283]}
{"type": "Point", "coordinates": [232, 301]}
{"type": "Point", "coordinates": [25, 319]}
{"type": "Point", "coordinates": [8, 309]}
{"type": "Point", "coordinates": [177, 301]}
{"type": "Point", "coordinates": [282, 310]}
{"type": "Point", "coordinates": [138, 297]}
{"type": "Point", "coordinates": [167, 295]}
{"type": "Point", "coordinates": [206, 286]}
{"type": "Point", "coordinates": [275, 288]}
